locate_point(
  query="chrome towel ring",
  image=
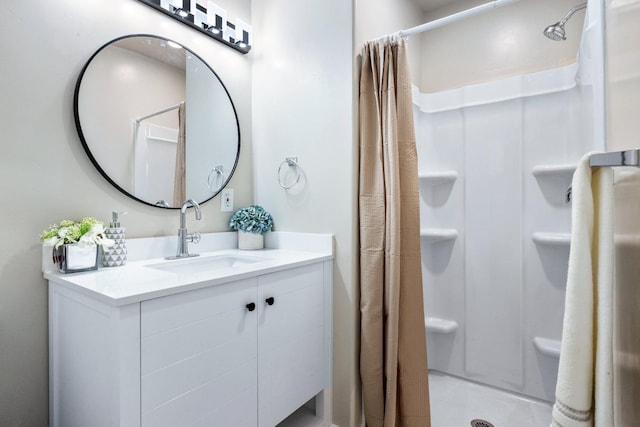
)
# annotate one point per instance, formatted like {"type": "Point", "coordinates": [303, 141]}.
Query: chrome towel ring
{"type": "Point", "coordinates": [293, 163]}
{"type": "Point", "coordinates": [214, 177]}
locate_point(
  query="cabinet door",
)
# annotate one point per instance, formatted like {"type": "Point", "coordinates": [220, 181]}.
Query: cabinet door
{"type": "Point", "coordinates": [198, 358]}
{"type": "Point", "coordinates": [290, 341]}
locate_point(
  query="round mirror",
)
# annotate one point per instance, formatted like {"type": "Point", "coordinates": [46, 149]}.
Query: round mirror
{"type": "Point", "coordinates": [157, 121]}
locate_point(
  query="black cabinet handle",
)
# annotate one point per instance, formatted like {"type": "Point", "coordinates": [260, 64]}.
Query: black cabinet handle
{"type": "Point", "coordinates": [270, 300]}
{"type": "Point", "coordinates": [251, 306]}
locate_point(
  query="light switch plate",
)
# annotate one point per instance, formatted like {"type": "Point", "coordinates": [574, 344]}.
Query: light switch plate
{"type": "Point", "coordinates": [226, 200]}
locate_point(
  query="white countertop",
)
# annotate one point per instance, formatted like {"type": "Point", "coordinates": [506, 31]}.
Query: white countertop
{"type": "Point", "coordinates": [137, 281]}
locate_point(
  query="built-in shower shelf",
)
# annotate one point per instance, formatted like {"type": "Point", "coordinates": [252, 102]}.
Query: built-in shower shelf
{"type": "Point", "coordinates": [554, 170]}
{"type": "Point", "coordinates": [438, 178]}
{"type": "Point", "coordinates": [443, 326]}
{"type": "Point", "coordinates": [303, 417]}
{"type": "Point", "coordinates": [547, 346]}
{"type": "Point", "coordinates": [552, 239]}
{"type": "Point", "coordinates": [438, 234]}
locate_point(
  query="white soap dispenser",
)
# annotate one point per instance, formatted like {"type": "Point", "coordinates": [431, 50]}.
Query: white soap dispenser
{"type": "Point", "coordinates": [116, 255]}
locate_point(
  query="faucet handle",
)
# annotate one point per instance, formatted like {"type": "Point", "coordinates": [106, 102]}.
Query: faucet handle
{"type": "Point", "coordinates": [194, 237]}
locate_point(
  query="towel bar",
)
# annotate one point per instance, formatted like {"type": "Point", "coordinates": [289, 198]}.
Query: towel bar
{"type": "Point", "coordinates": [616, 158]}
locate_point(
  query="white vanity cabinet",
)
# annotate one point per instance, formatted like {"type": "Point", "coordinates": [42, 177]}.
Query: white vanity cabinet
{"type": "Point", "coordinates": [291, 348]}
{"type": "Point", "coordinates": [198, 357]}
{"type": "Point", "coordinates": [248, 352]}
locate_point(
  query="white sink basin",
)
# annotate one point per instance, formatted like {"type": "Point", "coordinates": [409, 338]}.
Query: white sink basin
{"type": "Point", "coordinates": [206, 263]}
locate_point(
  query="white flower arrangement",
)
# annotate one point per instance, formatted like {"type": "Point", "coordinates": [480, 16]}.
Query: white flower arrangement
{"type": "Point", "coordinates": [86, 233]}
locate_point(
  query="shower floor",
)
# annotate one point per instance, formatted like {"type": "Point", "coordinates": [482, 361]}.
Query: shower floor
{"type": "Point", "coordinates": [455, 402]}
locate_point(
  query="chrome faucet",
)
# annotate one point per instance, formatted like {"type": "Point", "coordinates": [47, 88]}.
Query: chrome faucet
{"type": "Point", "coordinates": [183, 236]}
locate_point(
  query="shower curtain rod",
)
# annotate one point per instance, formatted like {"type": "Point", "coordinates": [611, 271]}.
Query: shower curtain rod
{"type": "Point", "coordinates": [173, 107]}
{"type": "Point", "coordinates": [616, 158]}
{"type": "Point", "coordinates": [455, 17]}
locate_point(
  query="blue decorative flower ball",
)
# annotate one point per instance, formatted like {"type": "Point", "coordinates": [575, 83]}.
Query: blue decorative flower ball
{"type": "Point", "coordinates": [252, 219]}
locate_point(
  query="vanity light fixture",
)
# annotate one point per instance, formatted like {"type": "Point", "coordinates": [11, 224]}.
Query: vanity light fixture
{"type": "Point", "coordinates": [242, 46]}
{"type": "Point", "coordinates": [211, 21]}
{"type": "Point", "coordinates": [242, 35]}
{"type": "Point", "coordinates": [181, 12]}
{"type": "Point", "coordinates": [214, 30]}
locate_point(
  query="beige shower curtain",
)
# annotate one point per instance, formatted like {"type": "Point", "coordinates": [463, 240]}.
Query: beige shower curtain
{"type": "Point", "coordinates": [180, 181]}
{"type": "Point", "coordinates": [393, 354]}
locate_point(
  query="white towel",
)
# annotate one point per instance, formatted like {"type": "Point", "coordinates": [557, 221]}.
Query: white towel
{"type": "Point", "coordinates": [584, 391]}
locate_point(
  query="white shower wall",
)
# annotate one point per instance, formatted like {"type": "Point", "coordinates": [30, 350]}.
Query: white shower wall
{"type": "Point", "coordinates": [492, 291]}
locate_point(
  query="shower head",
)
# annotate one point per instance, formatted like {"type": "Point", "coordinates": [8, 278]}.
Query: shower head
{"type": "Point", "coordinates": [556, 31]}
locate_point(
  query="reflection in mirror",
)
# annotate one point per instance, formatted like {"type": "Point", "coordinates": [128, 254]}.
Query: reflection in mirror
{"type": "Point", "coordinates": [157, 121]}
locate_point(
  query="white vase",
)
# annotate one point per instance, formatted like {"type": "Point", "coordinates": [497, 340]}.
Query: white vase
{"type": "Point", "coordinates": [250, 241]}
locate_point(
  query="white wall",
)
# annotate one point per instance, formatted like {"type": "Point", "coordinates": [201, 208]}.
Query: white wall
{"type": "Point", "coordinates": [302, 106]}
{"type": "Point", "coordinates": [501, 43]}
{"type": "Point", "coordinates": [46, 175]}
